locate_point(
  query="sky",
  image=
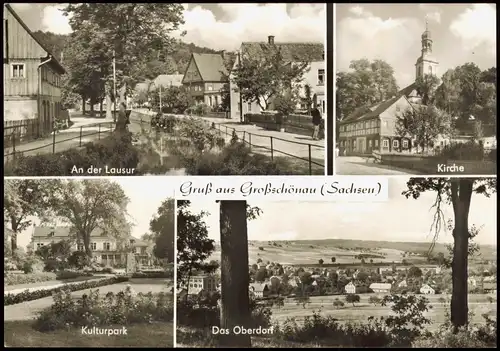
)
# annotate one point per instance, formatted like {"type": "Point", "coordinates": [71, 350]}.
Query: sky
{"type": "Point", "coordinates": [217, 26]}
{"type": "Point", "coordinates": [392, 32]}
{"type": "Point", "coordinates": [398, 219]}
{"type": "Point", "coordinates": [145, 194]}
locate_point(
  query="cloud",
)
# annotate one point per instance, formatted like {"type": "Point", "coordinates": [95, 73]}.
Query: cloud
{"type": "Point", "coordinates": [253, 22]}
{"type": "Point", "coordinates": [476, 26]}
{"type": "Point", "coordinates": [365, 35]}
{"type": "Point", "coordinates": [22, 7]}
{"type": "Point", "coordinates": [54, 21]}
{"type": "Point", "coordinates": [431, 12]}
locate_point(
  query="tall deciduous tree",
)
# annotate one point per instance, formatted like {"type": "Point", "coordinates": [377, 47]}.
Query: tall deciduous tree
{"type": "Point", "coordinates": [193, 245]}
{"type": "Point", "coordinates": [130, 31]}
{"type": "Point", "coordinates": [263, 76]}
{"type": "Point", "coordinates": [426, 88]}
{"type": "Point", "coordinates": [89, 205]}
{"type": "Point", "coordinates": [24, 200]}
{"type": "Point", "coordinates": [458, 192]}
{"type": "Point", "coordinates": [423, 124]}
{"type": "Point", "coordinates": [163, 227]}
{"type": "Point", "coordinates": [235, 279]}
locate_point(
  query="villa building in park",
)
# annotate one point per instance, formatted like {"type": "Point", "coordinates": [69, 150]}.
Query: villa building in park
{"type": "Point", "coordinates": [205, 77]}
{"type": "Point", "coordinates": [373, 128]}
{"type": "Point", "coordinates": [314, 77]}
{"type": "Point", "coordinates": [31, 79]}
{"type": "Point", "coordinates": [199, 283]}
{"type": "Point", "coordinates": [106, 250]}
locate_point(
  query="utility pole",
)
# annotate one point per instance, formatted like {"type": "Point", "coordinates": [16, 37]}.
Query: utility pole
{"type": "Point", "coordinates": [114, 86]}
{"type": "Point", "coordinates": [160, 98]}
{"type": "Point", "coordinates": [239, 91]}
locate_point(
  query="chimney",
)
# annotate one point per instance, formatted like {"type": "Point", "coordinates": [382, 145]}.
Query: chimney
{"type": "Point", "coordinates": [270, 39]}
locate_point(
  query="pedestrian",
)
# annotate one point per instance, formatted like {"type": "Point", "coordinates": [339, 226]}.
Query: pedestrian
{"type": "Point", "coordinates": [316, 120]}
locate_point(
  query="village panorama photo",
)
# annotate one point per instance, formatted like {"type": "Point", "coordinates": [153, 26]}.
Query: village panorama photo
{"type": "Point", "coordinates": [89, 263]}
{"type": "Point", "coordinates": [326, 274]}
{"type": "Point", "coordinates": [417, 93]}
{"type": "Point", "coordinates": [104, 89]}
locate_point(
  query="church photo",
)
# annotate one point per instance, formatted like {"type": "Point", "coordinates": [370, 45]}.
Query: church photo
{"type": "Point", "coordinates": [415, 89]}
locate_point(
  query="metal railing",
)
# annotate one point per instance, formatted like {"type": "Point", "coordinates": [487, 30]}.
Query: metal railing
{"type": "Point", "coordinates": [15, 144]}
{"type": "Point", "coordinates": [247, 139]}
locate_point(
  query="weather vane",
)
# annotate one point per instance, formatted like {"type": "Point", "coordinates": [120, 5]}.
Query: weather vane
{"type": "Point", "coordinates": [426, 22]}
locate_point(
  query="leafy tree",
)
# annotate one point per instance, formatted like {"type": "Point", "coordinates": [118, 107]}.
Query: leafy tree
{"type": "Point", "coordinates": [193, 244]}
{"type": "Point", "coordinates": [442, 300]}
{"type": "Point", "coordinates": [131, 30]}
{"type": "Point", "coordinates": [261, 275]}
{"type": "Point", "coordinates": [320, 261]}
{"type": "Point", "coordinates": [285, 103]}
{"type": "Point", "coordinates": [174, 99]}
{"type": "Point", "coordinates": [414, 272]}
{"type": "Point", "coordinates": [163, 228]}
{"type": "Point", "coordinates": [352, 298]}
{"type": "Point", "coordinates": [90, 205]}
{"type": "Point", "coordinates": [334, 259]}
{"type": "Point", "coordinates": [263, 76]}
{"type": "Point", "coordinates": [308, 99]}
{"type": "Point", "coordinates": [363, 261]}
{"type": "Point", "coordinates": [362, 276]}
{"type": "Point", "coordinates": [426, 88]}
{"type": "Point", "coordinates": [366, 83]}
{"type": "Point", "coordinates": [259, 260]}
{"type": "Point", "coordinates": [23, 200]}
{"type": "Point", "coordinates": [235, 308]}
{"type": "Point", "coordinates": [337, 303]}
{"type": "Point", "coordinates": [423, 124]}
{"type": "Point", "coordinates": [458, 192]}
{"type": "Point", "coordinates": [78, 259]}
{"type": "Point", "coordinates": [375, 300]}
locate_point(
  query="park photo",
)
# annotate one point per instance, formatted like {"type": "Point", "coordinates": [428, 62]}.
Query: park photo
{"type": "Point", "coordinates": [104, 89]}
{"type": "Point", "coordinates": [413, 271]}
{"type": "Point", "coordinates": [88, 263]}
{"type": "Point", "coordinates": [416, 95]}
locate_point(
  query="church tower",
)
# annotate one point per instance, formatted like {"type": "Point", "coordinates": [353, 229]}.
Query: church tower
{"type": "Point", "coordinates": [426, 63]}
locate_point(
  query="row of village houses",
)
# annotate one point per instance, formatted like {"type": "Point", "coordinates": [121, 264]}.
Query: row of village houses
{"type": "Point", "coordinates": [33, 76]}
{"type": "Point", "coordinates": [206, 75]}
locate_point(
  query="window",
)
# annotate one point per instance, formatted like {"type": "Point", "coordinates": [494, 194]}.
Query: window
{"type": "Point", "coordinates": [249, 107]}
{"type": "Point", "coordinates": [209, 101]}
{"type": "Point", "coordinates": [385, 143]}
{"type": "Point", "coordinates": [405, 144]}
{"type": "Point", "coordinates": [430, 69]}
{"type": "Point", "coordinates": [18, 70]}
{"type": "Point", "coordinates": [79, 247]}
{"type": "Point", "coordinates": [395, 143]}
{"type": "Point", "coordinates": [369, 143]}
{"type": "Point", "coordinates": [107, 246]}
{"type": "Point", "coordinates": [321, 77]}
{"type": "Point", "coordinates": [376, 142]}
{"type": "Point", "coordinates": [216, 100]}
{"type": "Point", "coordinates": [39, 245]}
{"type": "Point", "coordinates": [93, 246]}
{"type": "Point", "coordinates": [210, 87]}
{"type": "Point", "coordinates": [323, 106]}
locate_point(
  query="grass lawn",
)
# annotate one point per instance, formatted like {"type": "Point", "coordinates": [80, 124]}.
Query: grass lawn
{"type": "Point", "coordinates": [21, 334]}
{"type": "Point", "coordinates": [297, 166]}
{"type": "Point", "coordinates": [50, 282]}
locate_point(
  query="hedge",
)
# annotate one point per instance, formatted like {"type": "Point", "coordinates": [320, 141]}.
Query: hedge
{"type": "Point", "coordinates": [18, 278]}
{"type": "Point", "coordinates": [27, 295]}
{"type": "Point", "coordinates": [167, 274]}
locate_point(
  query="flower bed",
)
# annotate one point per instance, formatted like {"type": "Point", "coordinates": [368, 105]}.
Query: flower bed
{"type": "Point", "coordinates": [27, 295]}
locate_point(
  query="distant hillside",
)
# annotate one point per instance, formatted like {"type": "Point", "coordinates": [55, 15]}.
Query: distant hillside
{"type": "Point", "coordinates": [344, 251]}
{"type": "Point", "coordinates": [176, 60]}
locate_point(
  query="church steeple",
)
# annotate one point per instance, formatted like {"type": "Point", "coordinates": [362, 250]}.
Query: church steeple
{"type": "Point", "coordinates": [426, 64]}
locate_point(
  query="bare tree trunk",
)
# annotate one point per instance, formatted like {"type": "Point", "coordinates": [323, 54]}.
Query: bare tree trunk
{"type": "Point", "coordinates": [100, 108]}
{"type": "Point", "coordinates": [13, 243]}
{"type": "Point", "coordinates": [235, 309]}
{"type": "Point", "coordinates": [84, 107]}
{"type": "Point", "coordinates": [86, 244]}
{"type": "Point", "coordinates": [109, 112]}
{"type": "Point", "coordinates": [461, 193]}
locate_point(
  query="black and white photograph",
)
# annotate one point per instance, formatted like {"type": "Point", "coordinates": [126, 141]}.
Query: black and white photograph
{"type": "Point", "coordinates": [105, 89]}
{"type": "Point", "coordinates": [415, 89]}
{"type": "Point", "coordinates": [89, 263]}
{"type": "Point", "coordinates": [418, 270]}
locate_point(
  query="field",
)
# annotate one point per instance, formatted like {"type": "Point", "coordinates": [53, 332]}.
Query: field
{"type": "Point", "coordinates": [478, 304]}
{"type": "Point", "coordinates": [344, 251]}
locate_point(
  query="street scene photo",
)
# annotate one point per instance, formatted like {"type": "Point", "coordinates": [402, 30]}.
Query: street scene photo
{"type": "Point", "coordinates": [104, 89]}
{"type": "Point", "coordinates": [270, 274]}
{"type": "Point", "coordinates": [417, 93]}
{"type": "Point", "coordinates": [88, 263]}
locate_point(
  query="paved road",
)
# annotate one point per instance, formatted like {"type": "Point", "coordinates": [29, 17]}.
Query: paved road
{"type": "Point", "coordinates": [354, 165]}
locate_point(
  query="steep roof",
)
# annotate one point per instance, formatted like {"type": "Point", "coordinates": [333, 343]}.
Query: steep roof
{"type": "Point", "coordinates": [60, 232]}
{"type": "Point", "coordinates": [211, 67]}
{"type": "Point", "coordinates": [257, 287]}
{"type": "Point", "coordinates": [169, 80]}
{"type": "Point", "coordinates": [373, 111]}
{"type": "Point", "coordinates": [54, 61]}
{"type": "Point", "coordinates": [292, 52]}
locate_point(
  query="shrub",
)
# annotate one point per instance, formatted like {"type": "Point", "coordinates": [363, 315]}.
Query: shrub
{"type": "Point", "coordinates": [63, 275]}
{"type": "Point", "coordinates": [93, 309]}
{"type": "Point", "coordinates": [32, 264]}
{"type": "Point", "coordinates": [78, 259]}
{"type": "Point", "coordinates": [469, 151]}
{"type": "Point", "coordinates": [16, 279]}
{"type": "Point", "coordinates": [115, 151]}
{"type": "Point", "coordinates": [167, 274]}
{"type": "Point", "coordinates": [27, 295]}
{"type": "Point", "coordinates": [108, 270]}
